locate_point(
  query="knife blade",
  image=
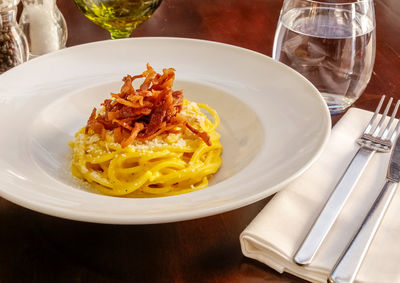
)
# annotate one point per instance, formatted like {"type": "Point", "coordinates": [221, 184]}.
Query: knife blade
{"type": "Point", "coordinates": [394, 164]}
{"type": "Point", "coordinates": [350, 261]}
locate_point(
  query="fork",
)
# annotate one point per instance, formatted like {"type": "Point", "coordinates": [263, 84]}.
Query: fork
{"type": "Point", "coordinates": [375, 138]}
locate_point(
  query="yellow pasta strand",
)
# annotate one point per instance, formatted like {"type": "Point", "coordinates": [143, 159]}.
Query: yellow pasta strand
{"type": "Point", "coordinates": [171, 164]}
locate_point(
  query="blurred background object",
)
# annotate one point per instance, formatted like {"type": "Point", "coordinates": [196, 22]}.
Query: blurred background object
{"type": "Point", "coordinates": [119, 17]}
{"type": "Point", "coordinates": [13, 44]}
{"type": "Point", "coordinates": [44, 26]}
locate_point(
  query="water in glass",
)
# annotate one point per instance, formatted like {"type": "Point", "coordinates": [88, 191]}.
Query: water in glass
{"type": "Point", "coordinates": [333, 48]}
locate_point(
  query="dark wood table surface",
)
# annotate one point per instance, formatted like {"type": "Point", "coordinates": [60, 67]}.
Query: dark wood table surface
{"type": "Point", "coordinates": [40, 248]}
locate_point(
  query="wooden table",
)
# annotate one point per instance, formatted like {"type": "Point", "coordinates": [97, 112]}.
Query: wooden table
{"type": "Point", "coordinates": [41, 248]}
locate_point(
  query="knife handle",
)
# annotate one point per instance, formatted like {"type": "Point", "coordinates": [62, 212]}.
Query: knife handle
{"type": "Point", "coordinates": [349, 263]}
{"type": "Point", "coordinates": [333, 206]}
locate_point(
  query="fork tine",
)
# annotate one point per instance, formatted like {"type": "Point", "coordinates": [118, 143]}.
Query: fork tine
{"type": "Point", "coordinates": [378, 108]}
{"type": "Point", "coordinates": [387, 129]}
{"type": "Point", "coordinates": [383, 117]}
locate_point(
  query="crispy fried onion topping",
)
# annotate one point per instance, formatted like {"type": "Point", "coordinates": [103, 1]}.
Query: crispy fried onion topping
{"type": "Point", "coordinates": [143, 113]}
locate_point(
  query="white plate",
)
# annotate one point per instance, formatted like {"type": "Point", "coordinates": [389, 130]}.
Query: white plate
{"type": "Point", "coordinates": [274, 124]}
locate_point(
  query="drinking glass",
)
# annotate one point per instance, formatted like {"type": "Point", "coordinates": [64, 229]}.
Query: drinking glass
{"type": "Point", "coordinates": [119, 17]}
{"type": "Point", "coordinates": [331, 44]}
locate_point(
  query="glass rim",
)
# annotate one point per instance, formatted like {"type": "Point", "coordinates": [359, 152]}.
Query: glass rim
{"type": "Point", "coordinates": [339, 3]}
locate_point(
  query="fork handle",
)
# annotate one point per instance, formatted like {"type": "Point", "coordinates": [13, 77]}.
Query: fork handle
{"type": "Point", "coordinates": [333, 206]}
{"type": "Point", "coordinates": [350, 262]}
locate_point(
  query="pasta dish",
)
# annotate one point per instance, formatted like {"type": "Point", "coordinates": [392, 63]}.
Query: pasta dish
{"type": "Point", "coordinates": [148, 141]}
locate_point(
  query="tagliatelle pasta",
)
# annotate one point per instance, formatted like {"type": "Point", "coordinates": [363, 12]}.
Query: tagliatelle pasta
{"type": "Point", "coordinates": [164, 146]}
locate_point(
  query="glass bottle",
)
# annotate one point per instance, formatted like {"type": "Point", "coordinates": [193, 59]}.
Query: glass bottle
{"type": "Point", "coordinates": [44, 26]}
{"type": "Point", "coordinates": [13, 44]}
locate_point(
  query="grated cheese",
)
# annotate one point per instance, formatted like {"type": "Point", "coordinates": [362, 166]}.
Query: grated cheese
{"type": "Point", "coordinates": [191, 111]}
{"type": "Point", "coordinates": [157, 143]}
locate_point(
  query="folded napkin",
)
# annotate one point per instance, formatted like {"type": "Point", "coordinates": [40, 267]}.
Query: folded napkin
{"type": "Point", "coordinates": [275, 234]}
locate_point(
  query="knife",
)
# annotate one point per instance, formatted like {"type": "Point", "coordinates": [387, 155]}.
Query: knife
{"type": "Point", "coordinates": [350, 261]}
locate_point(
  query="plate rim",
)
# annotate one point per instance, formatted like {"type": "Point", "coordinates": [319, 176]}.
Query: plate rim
{"type": "Point", "coordinates": [177, 216]}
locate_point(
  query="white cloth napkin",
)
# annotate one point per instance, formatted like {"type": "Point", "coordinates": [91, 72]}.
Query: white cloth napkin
{"type": "Point", "coordinates": [275, 234]}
